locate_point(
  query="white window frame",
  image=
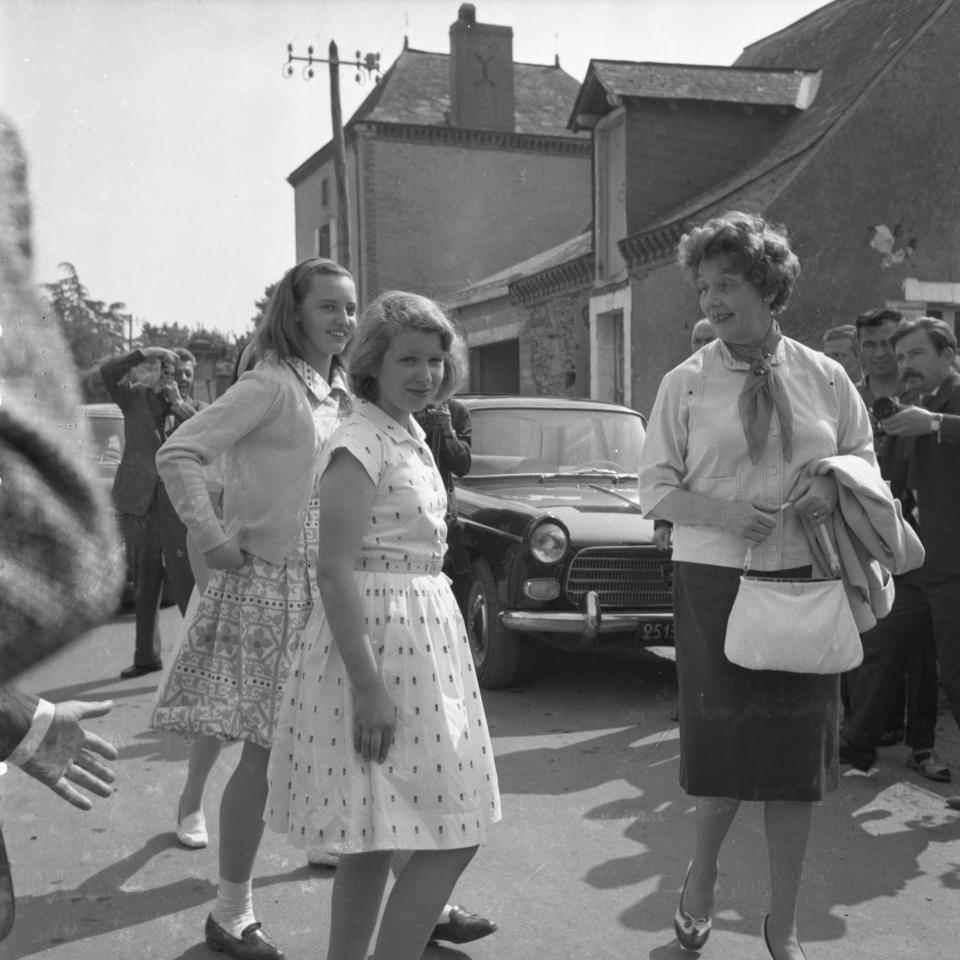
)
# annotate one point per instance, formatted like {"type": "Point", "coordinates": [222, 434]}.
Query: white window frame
{"type": "Point", "coordinates": [919, 296]}
{"type": "Point", "coordinates": [604, 303]}
{"type": "Point", "coordinates": [602, 200]}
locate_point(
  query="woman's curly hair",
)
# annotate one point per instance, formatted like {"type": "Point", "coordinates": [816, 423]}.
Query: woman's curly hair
{"type": "Point", "coordinates": [759, 250]}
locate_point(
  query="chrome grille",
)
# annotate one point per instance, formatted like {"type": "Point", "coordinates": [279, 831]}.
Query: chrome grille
{"type": "Point", "coordinates": [622, 577]}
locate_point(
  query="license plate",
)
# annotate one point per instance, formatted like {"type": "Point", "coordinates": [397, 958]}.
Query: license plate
{"type": "Point", "coordinates": [656, 630]}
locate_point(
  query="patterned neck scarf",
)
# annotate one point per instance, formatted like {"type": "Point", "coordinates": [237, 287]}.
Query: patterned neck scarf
{"type": "Point", "coordinates": [762, 393]}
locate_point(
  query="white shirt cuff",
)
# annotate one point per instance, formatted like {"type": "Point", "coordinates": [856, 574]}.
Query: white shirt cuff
{"type": "Point", "coordinates": [27, 747]}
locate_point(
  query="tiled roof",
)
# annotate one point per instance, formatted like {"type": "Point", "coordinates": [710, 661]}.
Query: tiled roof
{"type": "Point", "coordinates": [683, 81]}
{"type": "Point", "coordinates": [416, 90]}
{"type": "Point", "coordinates": [852, 42]}
{"type": "Point", "coordinates": [497, 284]}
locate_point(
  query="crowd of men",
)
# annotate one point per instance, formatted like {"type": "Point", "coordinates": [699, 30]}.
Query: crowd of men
{"type": "Point", "coordinates": [907, 373]}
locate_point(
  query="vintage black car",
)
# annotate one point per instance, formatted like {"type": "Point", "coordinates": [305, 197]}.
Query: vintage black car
{"type": "Point", "coordinates": [556, 547]}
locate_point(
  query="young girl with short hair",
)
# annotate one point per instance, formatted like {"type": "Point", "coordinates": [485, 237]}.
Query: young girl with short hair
{"type": "Point", "coordinates": [382, 742]}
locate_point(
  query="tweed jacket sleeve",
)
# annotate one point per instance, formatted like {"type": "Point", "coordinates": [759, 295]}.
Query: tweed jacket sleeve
{"type": "Point", "coordinates": [16, 717]}
{"type": "Point", "coordinates": [60, 559]}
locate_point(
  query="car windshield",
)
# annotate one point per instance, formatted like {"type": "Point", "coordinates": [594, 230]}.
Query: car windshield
{"type": "Point", "coordinates": [532, 440]}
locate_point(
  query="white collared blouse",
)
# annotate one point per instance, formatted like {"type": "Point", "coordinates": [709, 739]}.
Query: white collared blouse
{"type": "Point", "coordinates": [406, 532]}
{"type": "Point", "coordinates": [695, 442]}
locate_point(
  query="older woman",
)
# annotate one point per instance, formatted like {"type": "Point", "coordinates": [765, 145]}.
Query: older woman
{"type": "Point", "coordinates": [732, 431]}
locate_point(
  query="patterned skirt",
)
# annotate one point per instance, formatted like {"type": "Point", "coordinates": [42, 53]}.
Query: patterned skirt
{"type": "Point", "coordinates": [438, 787]}
{"type": "Point", "coordinates": [228, 676]}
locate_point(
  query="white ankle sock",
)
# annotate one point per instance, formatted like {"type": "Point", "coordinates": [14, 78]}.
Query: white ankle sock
{"type": "Point", "coordinates": [234, 906]}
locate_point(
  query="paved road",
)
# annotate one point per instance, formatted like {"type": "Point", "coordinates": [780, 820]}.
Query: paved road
{"type": "Point", "coordinates": [586, 864]}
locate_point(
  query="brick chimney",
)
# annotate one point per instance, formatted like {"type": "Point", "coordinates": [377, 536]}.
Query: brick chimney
{"type": "Point", "coordinates": [481, 73]}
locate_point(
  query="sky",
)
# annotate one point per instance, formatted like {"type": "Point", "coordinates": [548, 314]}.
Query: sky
{"type": "Point", "coordinates": [160, 133]}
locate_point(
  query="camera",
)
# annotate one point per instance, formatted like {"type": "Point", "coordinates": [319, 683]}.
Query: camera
{"type": "Point", "coordinates": [884, 407]}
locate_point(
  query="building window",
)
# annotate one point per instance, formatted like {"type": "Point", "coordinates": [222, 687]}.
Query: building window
{"type": "Point", "coordinates": [610, 171]}
{"type": "Point", "coordinates": [611, 357]}
{"type": "Point", "coordinates": [932, 298]}
{"type": "Point", "coordinates": [325, 192]}
{"type": "Point", "coordinates": [321, 241]}
{"type": "Point", "coordinates": [495, 367]}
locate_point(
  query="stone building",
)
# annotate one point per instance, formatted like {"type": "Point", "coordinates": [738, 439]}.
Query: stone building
{"type": "Point", "coordinates": [527, 326]}
{"type": "Point", "coordinates": [458, 164]}
{"type": "Point", "coordinates": [842, 126]}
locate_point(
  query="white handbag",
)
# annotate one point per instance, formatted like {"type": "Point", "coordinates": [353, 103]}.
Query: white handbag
{"type": "Point", "coordinates": [798, 626]}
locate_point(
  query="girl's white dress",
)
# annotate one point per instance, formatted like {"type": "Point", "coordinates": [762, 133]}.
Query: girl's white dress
{"type": "Point", "coordinates": [438, 787]}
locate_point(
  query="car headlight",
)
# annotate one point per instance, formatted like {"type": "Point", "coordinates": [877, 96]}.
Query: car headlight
{"type": "Point", "coordinates": [548, 542]}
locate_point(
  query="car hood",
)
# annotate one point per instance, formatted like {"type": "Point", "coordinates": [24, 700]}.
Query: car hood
{"type": "Point", "coordinates": [590, 508]}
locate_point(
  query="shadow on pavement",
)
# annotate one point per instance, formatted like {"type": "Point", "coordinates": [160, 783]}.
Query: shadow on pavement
{"type": "Point", "coordinates": [609, 689]}
{"type": "Point", "coordinates": [866, 842]}
{"type": "Point", "coordinates": [435, 951]}
{"type": "Point", "coordinates": [94, 690]}
{"type": "Point", "coordinates": [157, 745]}
{"type": "Point", "coordinates": [867, 837]}
{"type": "Point", "coordinates": [100, 905]}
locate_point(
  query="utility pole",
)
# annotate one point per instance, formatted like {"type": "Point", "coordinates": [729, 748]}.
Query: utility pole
{"type": "Point", "coordinates": [339, 157]}
{"type": "Point", "coordinates": [369, 63]}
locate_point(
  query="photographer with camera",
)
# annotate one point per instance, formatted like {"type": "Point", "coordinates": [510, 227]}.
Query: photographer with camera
{"type": "Point", "coordinates": [899, 654]}
{"type": "Point", "coordinates": [155, 536]}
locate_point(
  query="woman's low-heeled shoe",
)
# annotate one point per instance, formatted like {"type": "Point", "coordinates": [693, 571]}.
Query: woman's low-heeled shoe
{"type": "Point", "coordinates": [766, 941]}
{"type": "Point", "coordinates": [192, 829]}
{"type": "Point", "coordinates": [252, 944]}
{"type": "Point", "coordinates": [692, 932]}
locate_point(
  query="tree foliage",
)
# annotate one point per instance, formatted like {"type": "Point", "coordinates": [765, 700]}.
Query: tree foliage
{"type": "Point", "coordinates": [96, 330]}
{"type": "Point", "coordinates": [262, 304]}
{"type": "Point", "coordinates": [173, 335]}
{"type": "Point", "coordinates": [92, 328]}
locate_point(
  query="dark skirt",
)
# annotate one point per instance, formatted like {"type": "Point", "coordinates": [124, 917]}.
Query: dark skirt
{"type": "Point", "coordinates": [746, 734]}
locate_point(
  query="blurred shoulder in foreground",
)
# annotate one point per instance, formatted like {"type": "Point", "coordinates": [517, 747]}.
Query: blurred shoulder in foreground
{"type": "Point", "coordinates": [60, 562]}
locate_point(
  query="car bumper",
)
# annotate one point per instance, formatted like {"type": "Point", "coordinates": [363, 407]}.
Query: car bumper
{"type": "Point", "coordinates": [653, 625]}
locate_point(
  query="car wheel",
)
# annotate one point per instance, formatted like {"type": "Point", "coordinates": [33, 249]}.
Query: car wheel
{"type": "Point", "coordinates": [497, 652]}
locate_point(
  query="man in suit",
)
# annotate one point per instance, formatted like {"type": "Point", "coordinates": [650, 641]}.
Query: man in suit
{"type": "Point", "coordinates": [926, 349]}
{"type": "Point", "coordinates": [840, 344]}
{"type": "Point", "coordinates": [448, 434]}
{"type": "Point", "coordinates": [899, 654]}
{"type": "Point", "coordinates": [155, 536]}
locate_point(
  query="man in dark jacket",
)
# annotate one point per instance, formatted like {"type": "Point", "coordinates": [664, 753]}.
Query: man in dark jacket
{"type": "Point", "coordinates": [926, 350]}
{"type": "Point", "coordinates": [448, 429]}
{"type": "Point", "coordinates": [901, 646]}
{"type": "Point", "coordinates": [155, 536]}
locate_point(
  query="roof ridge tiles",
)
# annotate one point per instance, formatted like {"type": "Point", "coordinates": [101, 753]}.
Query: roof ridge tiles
{"type": "Point", "coordinates": [705, 66]}
{"type": "Point", "coordinates": [516, 63]}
